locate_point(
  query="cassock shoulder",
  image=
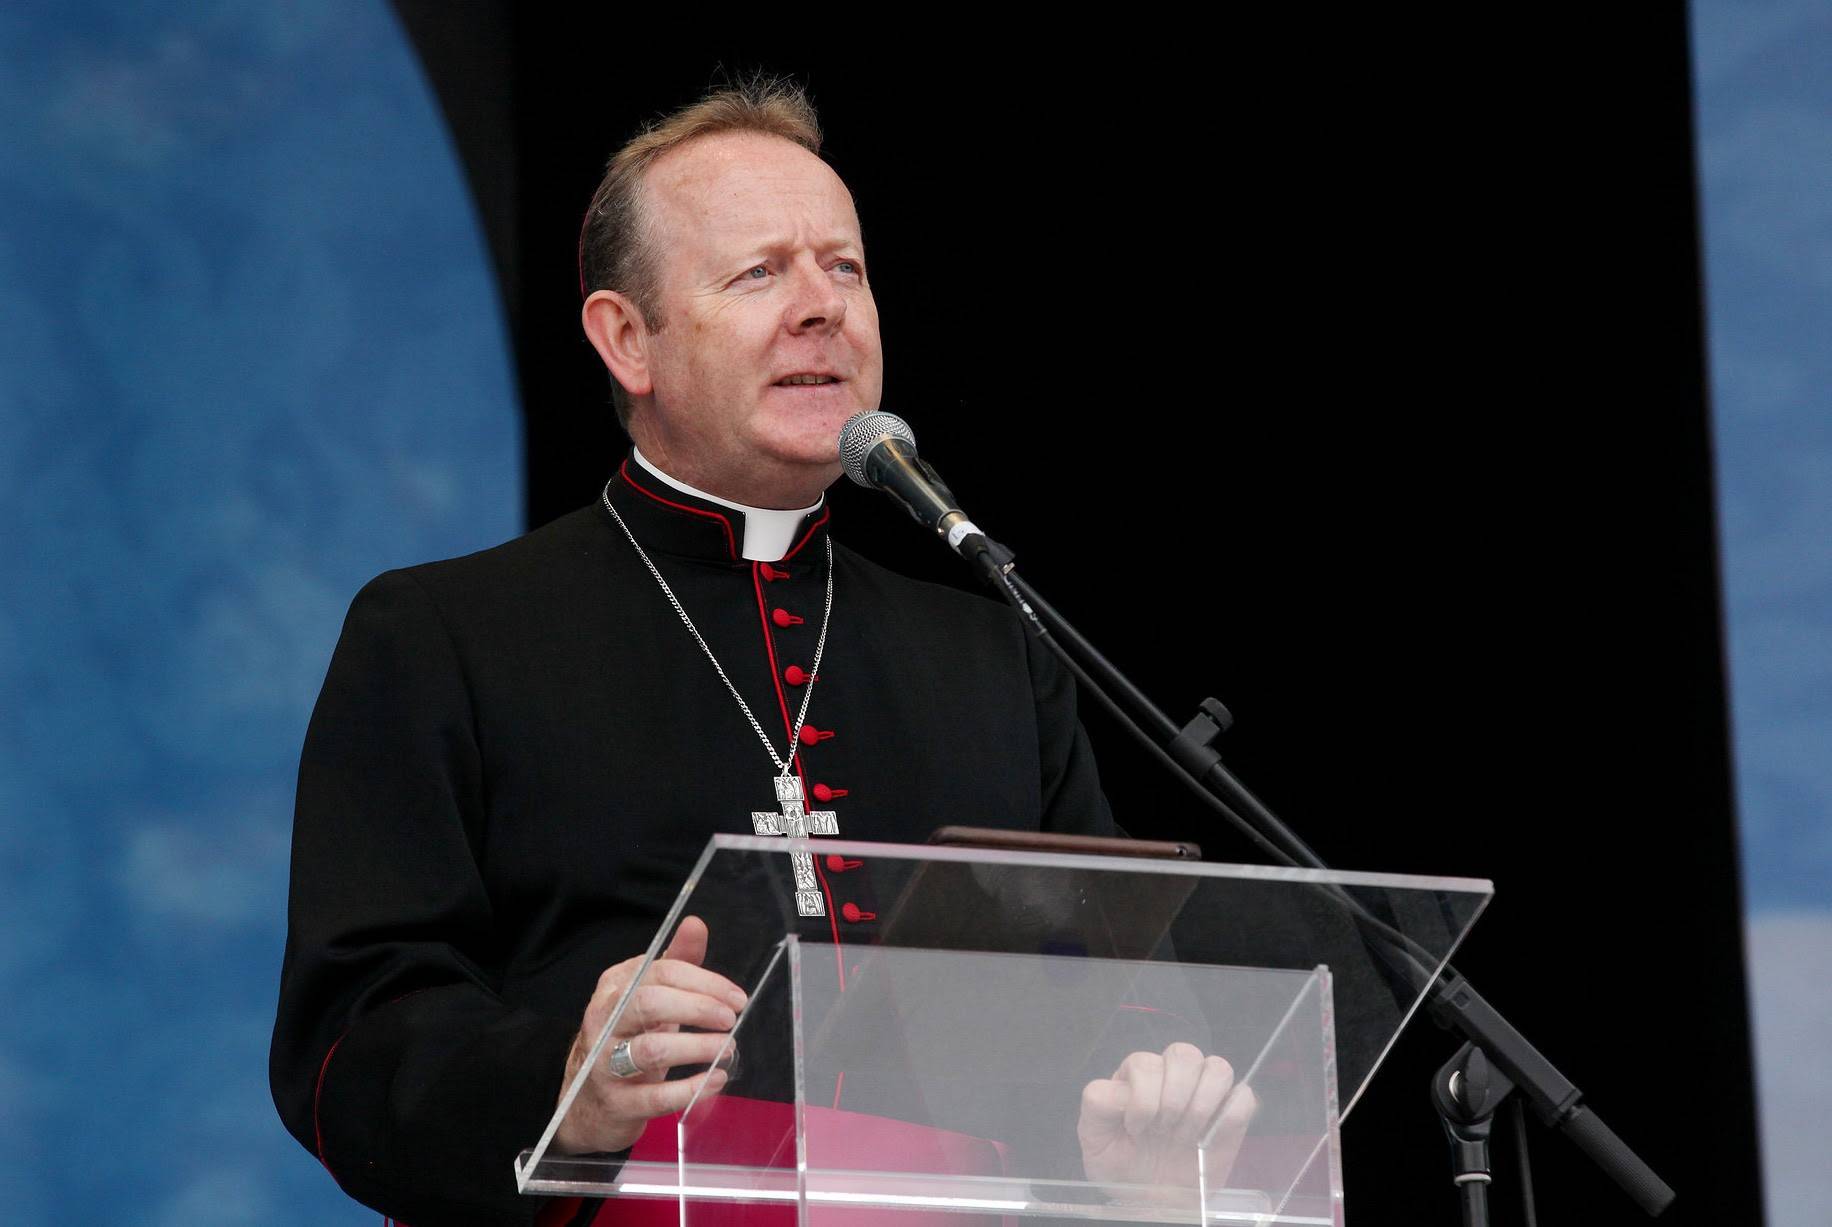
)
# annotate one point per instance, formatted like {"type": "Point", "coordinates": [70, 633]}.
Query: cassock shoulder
{"type": "Point", "coordinates": [552, 557]}
{"type": "Point", "coordinates": [569, 579]}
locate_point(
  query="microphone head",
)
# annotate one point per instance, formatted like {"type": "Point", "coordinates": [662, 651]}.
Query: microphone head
{"type": "Point", "coordinates": [864, 431]}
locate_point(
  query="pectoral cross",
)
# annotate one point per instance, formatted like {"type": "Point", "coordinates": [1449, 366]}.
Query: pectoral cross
{"type": "Point", "coordinates": [796, 823]}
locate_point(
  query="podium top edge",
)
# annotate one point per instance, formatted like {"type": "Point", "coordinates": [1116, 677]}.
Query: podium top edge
{"type": "Point", "coordinates": [1111, 864]}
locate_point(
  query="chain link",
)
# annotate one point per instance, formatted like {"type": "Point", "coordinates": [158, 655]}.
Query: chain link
{"type": "Point", "coordinates": [820, 645]}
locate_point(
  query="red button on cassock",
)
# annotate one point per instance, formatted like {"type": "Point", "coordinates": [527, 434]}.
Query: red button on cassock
{"type": "Point", "coordinates": [771, 573]}
{"type": "Point", "coordinates": [823, 793]}
{"type": "Point", "coordinates": [794, 675]}
{"type": "Point", "coordinates": [839, 864]}
{"type": "Point", "coordinates": [810, 735]}
{"type": "Point", "coordinates": [851, 912]}
{"type": "Point", "coordinates": [784, 618]}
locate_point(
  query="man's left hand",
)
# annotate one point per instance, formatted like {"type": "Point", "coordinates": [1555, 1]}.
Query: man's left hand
{"type": "Point", "coordinates": [1141, 1126]}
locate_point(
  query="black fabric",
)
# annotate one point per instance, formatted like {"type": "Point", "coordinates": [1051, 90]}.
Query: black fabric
{"type": "Point", "coordinates": [517, 756]}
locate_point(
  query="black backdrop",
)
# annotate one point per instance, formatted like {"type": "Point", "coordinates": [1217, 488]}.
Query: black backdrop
{"type": "Point", "coordinates": [1350, 371]}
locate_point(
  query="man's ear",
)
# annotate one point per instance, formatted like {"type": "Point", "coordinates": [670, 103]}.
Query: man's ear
{"type": "Point", "coordinates": [616, 330]}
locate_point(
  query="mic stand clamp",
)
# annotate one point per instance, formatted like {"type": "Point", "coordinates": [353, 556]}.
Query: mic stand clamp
{"type": "Point", "coordinates": [992, 558]}
{"type": "Point", "coordinates": [1467, 1092]}
{"type": "Point", "coordinates": [1194, 747]}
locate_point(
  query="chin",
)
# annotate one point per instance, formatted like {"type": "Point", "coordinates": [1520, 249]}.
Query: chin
{"type": "Point", "coordinates": [808, 441]}
{"type": "Point", "coordinates": [811, 453]}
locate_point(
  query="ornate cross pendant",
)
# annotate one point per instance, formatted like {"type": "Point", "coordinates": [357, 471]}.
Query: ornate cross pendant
{"type": "Point", "coordinates": [796, 823]}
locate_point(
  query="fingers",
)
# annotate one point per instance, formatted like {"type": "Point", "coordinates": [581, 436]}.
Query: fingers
{"type": "Point", "coordinates": [1212, 1086]}
{"type": "Point", "coordinates": [647, 1100]}
{"type": "Point", "coordinates": [1103, 1113]}
{"type": "Point", "coordinates": [667, 972]}
{"type": "Point", "coordinates": [1183, 1065]}
{"type": "Point", "coordinates": [1236, 1113]}
{"type": "Point", "coordinates": [1144, 1124]}
{"type": "Point", "coordinates": [677, 966]}
{"type": "Point", "coordinates": [675, 992]}
{"type": "Point", "coordinates": [1143, 1072]}
{"type": "Point", "coordinates": [689, 941]}
{"type": "Point", "coordinates": [1176, 1092]}
{"type": "Point", "coordinates": [663, 999]}
{"type": "Point", "coordinates": [1104, 1101]}
{"type": "Point", "coordinates": [656, 1006]}
{"type": "Point", "coordinates": [1223, 1142]}
{"type": "Point", "coordinates": [657, 1052]}
{"type": "Point", "coordinates": [614, 1112]}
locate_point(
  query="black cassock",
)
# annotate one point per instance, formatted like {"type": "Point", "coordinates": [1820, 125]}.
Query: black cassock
{"type": "Point", "coordinates": [518, 755]}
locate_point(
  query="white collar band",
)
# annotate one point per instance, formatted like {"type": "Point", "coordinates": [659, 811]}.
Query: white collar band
{"type": "Point", "coordinates": [768, 533]}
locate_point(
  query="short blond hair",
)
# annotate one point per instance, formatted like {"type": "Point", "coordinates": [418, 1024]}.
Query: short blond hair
{"type": "Point", "coordinates": [616, 251]}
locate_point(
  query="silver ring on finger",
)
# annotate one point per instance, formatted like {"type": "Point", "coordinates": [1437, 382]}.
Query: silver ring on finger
{"type": "Point", "coordinates": [621, 1063]}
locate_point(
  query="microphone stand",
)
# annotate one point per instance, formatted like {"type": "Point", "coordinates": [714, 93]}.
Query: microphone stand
{"type": "Point", "coordinates": [1509, 1062]}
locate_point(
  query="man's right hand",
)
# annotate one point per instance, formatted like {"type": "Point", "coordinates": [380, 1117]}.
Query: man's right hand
{"type": "Point", "coordinates": [610, 1112]}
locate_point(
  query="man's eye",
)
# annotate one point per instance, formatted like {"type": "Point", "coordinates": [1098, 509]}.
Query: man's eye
{"type": "Point", "coordinates": [847, 266]}
{"type": "Point", "coordinates": [758, 273]}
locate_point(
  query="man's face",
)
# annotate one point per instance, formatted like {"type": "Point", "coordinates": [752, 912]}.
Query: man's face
{"type": "Point", "coordinates": [762, 290]}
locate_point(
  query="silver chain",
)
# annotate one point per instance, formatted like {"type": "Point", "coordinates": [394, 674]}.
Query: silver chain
{"type": "Point", "coordinates": [820, 645]}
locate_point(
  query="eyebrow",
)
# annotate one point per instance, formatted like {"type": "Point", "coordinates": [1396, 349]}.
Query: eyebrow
{"type": "Point", "coordinates": [829, 244]}
{"type": "Point", "coordinates": [739, 259]}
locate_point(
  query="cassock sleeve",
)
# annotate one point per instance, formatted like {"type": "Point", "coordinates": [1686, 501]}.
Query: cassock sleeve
{"type": "Point", "coordinates": [394, 1059]}
{"type": "Point", "coordinates": [1073, 803]}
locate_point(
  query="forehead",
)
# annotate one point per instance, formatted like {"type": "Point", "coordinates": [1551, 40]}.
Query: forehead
{"type": "Point", "coordinates": [739, 189]}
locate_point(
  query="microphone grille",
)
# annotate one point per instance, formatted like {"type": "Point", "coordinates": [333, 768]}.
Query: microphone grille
{"type": "Point", "coordinates": [864, 431]}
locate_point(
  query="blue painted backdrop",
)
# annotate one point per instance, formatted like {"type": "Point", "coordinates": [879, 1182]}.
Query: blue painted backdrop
{"type": "Point", "coordinates": [1764, 90]}
{"type": "Point", "coordinates": [250, 355]}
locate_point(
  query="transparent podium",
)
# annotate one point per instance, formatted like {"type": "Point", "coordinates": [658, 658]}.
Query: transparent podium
{"type": "Point", "coordinates": [967, 1036]}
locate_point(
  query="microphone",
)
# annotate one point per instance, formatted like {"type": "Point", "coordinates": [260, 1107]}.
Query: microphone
{"type": "Point", "coordinates": [879, 451]}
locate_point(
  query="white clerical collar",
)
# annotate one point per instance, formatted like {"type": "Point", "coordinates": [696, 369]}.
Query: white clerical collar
{"type": "Point", "coordinates": [768, 533]}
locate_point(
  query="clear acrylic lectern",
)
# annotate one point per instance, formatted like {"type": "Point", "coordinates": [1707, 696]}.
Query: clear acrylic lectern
{"type": "Point", "coordinates": [952, 1053]}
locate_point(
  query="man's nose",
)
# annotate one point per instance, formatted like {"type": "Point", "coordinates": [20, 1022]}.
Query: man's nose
{"type": "Point", "coordinates": [816, 305]}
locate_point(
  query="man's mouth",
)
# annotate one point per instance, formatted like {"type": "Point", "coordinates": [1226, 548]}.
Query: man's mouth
{"type": "Point", "coordinates": [792, 381]}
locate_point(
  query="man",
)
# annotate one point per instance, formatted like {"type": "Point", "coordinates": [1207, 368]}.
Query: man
{"type": "Point", "coordinates": [518, 755]}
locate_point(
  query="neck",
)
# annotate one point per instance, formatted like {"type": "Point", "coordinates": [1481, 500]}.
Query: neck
{"type": "Point", "coordinates": [768, 531]}
{"type": "Point", "coordinates": [764, 483]}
